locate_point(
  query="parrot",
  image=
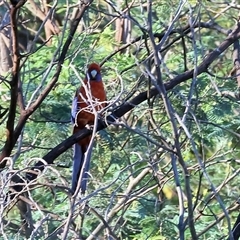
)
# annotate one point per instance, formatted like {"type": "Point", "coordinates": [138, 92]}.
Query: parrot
{"type": "Point", "coordinates": [89, 98]}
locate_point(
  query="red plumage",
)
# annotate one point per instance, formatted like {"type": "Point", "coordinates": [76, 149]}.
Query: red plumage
{"type": "Point", "coordinates": [90, 97]}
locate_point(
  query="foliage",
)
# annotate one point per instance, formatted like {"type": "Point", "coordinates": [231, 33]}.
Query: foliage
{"type": "Point", "coordinates": [139, 184]}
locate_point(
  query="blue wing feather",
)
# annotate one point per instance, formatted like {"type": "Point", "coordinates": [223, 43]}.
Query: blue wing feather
{"type": "Point", "coordinates": [75, 109]}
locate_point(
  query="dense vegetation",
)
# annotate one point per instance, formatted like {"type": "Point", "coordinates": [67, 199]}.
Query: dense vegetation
{"type": "Point", "coordinates": [165, 164]}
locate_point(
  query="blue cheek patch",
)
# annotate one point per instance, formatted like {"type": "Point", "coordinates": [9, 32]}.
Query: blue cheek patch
{"type": "Point", "coordinates": [98, 77]}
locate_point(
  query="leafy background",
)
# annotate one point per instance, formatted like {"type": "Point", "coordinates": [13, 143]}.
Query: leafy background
{"type": "Point", "coordinates": [132, 185]}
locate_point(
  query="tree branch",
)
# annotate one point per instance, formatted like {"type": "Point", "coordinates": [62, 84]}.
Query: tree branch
{"type": "Point", "coordinates": [32, 6]}
{"type": "Point", "coordinates": [9, 144]}
{"type": "Point", "coordinates": [127, 106]}
{"type": "Point", "coordinates": [14, 133]}
{"type": "Point", "coordinates": [182, 31]}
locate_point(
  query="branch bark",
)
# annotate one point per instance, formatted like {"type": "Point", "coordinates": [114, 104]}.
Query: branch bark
{"type": "Point", "coordinates": [13, 134]}
{"type": "Point", "coordinates": [9, 144]}
{"type": "Point", "coordinates": [127, 106]}
{"type": "Point", "coordinates": [33, 7]}
{"type": "Point", "coordinates": [236, 228]}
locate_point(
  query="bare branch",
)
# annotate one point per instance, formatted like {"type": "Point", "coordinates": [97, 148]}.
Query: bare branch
{"type": "Point", "coordinates": [127, 106]}
{"type": "Point", "coordinates": [13, 134]}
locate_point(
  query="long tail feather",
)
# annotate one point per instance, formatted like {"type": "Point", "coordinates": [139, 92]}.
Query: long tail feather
{"type": "Point", "coordinates": [81, 166]}
{"type": "Point", "coordinates": [78, 158]}
{"type": "Point", "coordinates": [86, 167]}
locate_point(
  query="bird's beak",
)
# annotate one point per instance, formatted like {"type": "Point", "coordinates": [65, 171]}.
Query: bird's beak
{"type": "Point", "coordinates": [94, 73]}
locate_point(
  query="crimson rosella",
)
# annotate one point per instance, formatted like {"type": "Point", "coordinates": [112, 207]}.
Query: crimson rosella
{"type": "Point", "coordinates": [89, 99]}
